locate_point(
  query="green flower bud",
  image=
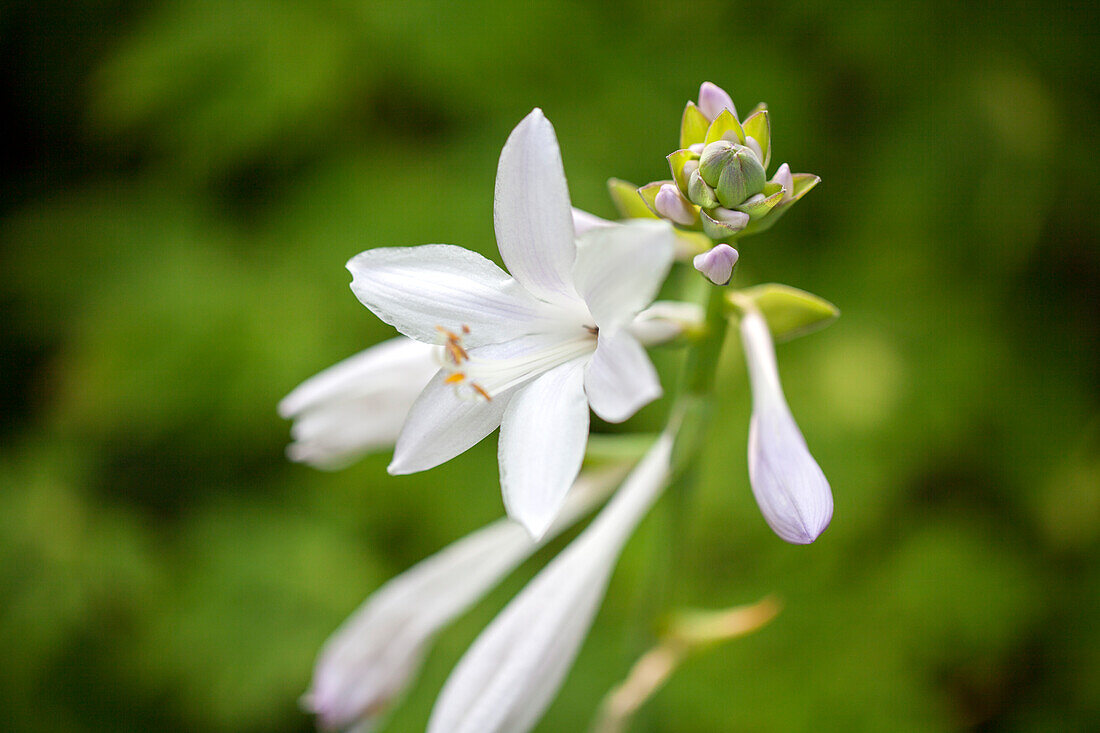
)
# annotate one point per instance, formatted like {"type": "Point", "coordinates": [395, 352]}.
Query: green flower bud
{"type": "Point", "coordinates": [713, 159]}
{"type": "Point", "coordinates": [742, 177]}
{"type": "Point", "coordinates": [699, 192]}
{"type": "Point", "coordinates": [733, 170]}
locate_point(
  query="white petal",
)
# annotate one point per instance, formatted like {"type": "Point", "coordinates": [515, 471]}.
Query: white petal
{"type": "Point", "coordinates": [376, 652]}
{"type": "Point", "coordinates": [416, 289]}
{"type": "Point", "coordinates": [789, 486]}
{"type": "Point", "coordinates": [513, 670]}
{"type": "Point", "coordinates": [620, 378]}
{"type": "Point", "coordinates": [583, 221]}
{"type": "Point", "coordinates": [542, 439]}
{"type": "Point", "coordinates": [441, 425]}
{"type": "Point", "coordinates": [620, 269]}
{"type": "Point", "coordinates": [357, 405]}
{"type": "Point", "coordinates": [534, 221]}
{"type": "Point", "coordinates": [665, 320]}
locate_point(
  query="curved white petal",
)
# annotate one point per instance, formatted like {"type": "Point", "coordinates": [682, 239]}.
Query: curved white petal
{"type": "Point", "coordinates": [789, 486]}
{"type": "Point", "coordinates": [620, 378]}
{"type": "Point", "coordinates": [619, 269]}
{"type": "Point", "coordinates": [583, 221]}
{"type": "Point", "coordinates": [358, 404]}
{"type": "Point", "coordinates": [441, 425]}
{"type": "Point", "coordinates": [513, 670]}
{"type": "Point", "coordinates": [542, 439]}
{"type": "Point", "coordinates": [534, 221]}
{"type": "Point", "coordinates": [374, 655]}
{"type": "Point", "coordinates": [417, 289]}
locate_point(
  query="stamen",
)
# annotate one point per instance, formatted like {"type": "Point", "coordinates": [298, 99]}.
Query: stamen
{"type": "Point", "coordinates": [482, 378]}
{"type": "Point", "coordinates": [452, 345]}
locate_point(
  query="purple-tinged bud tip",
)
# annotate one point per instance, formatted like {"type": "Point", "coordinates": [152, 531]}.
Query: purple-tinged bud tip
{"type": "Point", "coordinates": [713, 99]}
{"type": "Point", "coordinates": [671, 205]}
{"type": "Point", "coordinates": [717, 264]}
{"type": "Point", "coordinates": [784, 178]}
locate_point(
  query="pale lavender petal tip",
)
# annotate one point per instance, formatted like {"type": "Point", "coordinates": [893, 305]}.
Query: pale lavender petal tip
{"type": "Point", "coordinates": [713, 99]}
{"type": "Point", "coordinates": [671, 205]}
{"type": "Point", "coordinates": [717, 264]}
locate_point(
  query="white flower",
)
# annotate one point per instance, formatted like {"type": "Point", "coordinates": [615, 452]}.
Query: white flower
{"type": "Point", "coordinates": [530, 351]}
{"type": "Point", "coordinates": [371, 659]}
{"type": "Point", "coordinates": [358, 404]}
{"type": "Point", "coordinates": [790, 488]}
{"type": "Point", "coordinates": [513, 670]}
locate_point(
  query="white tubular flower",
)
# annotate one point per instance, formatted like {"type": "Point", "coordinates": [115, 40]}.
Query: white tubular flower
{"type": "Point", "coordinates": [530, 351]}
{"type": "Point", "coordinates": [508, 677]}
{"type": "Point", "coordinates": [371, 659]}
{"type": "Point", "coordinates": [358, 404]}
{"type": "Point", "coordinates": [790, 488]}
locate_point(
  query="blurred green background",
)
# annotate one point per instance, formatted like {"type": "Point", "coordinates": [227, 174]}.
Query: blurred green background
{"type": "Point", "coordinates": [183, 181]}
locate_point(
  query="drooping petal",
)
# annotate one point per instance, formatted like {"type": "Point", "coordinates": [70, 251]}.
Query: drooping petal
{"type": "Point", "coordinates": [514, 669]}
{"type": "Point", "coordinates": [357, 405]}
{"type": "Point", "coordinates": [620, 269]}
{"type": "Point", "coordinates": [542, 439]}
{"type": "Point", "coordinates": [789, 486]}
{"type": "Point", "coordinates": [620, 378]}
{"type": "Point", "coordinates": [417, 289]}
{"type": "Point", "coordinates": [374, 655]}
{"type": "Point", "coordinates": [533, 217]}
{"type": "Point", "coordinates": [442, 424]}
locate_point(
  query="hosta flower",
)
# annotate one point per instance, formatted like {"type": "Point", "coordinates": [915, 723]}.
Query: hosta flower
{"type": "Point", "coordinates": [371, 659]}
{"type": "Point", "coordinates": [357, 405]}
{"type": "Point", "coordinates": [360, 404]}
{"type": "Point", "coordinates": [719, 182]}
{"type": "Point", "coordinates": [789, 487]}
{"type": "Point", "coordinates": [529, 351]}
{"type": "Point", "coordinates": [508, 677]}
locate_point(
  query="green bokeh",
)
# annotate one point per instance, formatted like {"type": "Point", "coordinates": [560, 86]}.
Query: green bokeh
{"type": "Point", "coordinates": [183, 182]}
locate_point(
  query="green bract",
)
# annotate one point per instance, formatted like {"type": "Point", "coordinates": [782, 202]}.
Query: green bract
{"type": "Point", "coordinates": [790, 312]}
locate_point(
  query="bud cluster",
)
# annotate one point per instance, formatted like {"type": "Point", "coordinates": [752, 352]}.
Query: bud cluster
{"type": "Point", "coordinates": [719, 175]}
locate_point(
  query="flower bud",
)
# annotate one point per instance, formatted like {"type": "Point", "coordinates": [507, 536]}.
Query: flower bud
{"type": "Point", "coordinates": [784, 178]}
{"type": "Point", "coordinates": [752, 144]}
{"type": "Point", "coordinates": [742, 177]}
{"type": "Point", "coordinates": [720, 223]}
{"type": "Point", "coordinates": [717, 264]}
{"type": "Point", "coordinates": [713, 99]}
{"type": "Point", "coordinates": [689, 167]}
{"type": "Point", "coordinates": [699, 192]}
{"type": "Point", "coordinates": [671, 205]}
{"type": "Point", "coordinates": [713, 159]}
